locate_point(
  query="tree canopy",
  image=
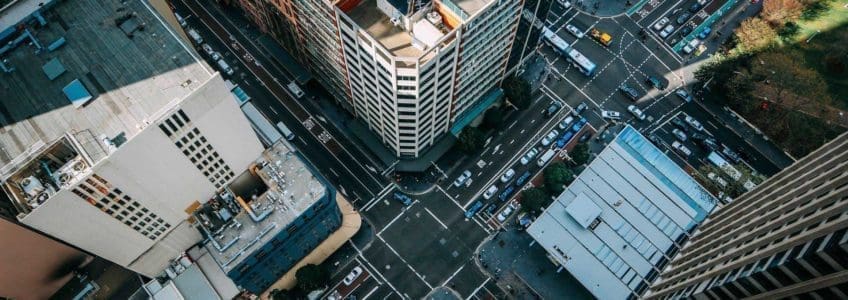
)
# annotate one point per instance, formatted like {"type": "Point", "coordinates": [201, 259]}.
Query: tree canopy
{"type": "Point", "coordinates": [533, 199]}
{"type": "Point", "coordinates": [471, 139]}
{"type": "Point", "coordinates": [754, 34]}
{"type": "Point", "coordinates": [312, 277]}
{"type": "Point", "coordinates": [580, 154]}
{"type": "Point", "coordinates": [556, 175]}
{"type": "Point", "coordinates": [517, 90]}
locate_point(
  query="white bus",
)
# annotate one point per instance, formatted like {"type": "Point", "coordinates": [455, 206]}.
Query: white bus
{"type": "Point", "coordinates": [580, 61]}
{"type": "Point", "coordinates": [725, 166]}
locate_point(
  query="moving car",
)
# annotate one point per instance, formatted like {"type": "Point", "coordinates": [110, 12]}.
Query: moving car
{"type": "Point", "coordinates": [655, 82]}
{"type": "Point", "coordinates": [352, 275]}
{"type": "Point", "coordinates": [529, 156]}
{"type": "Point", "coordinates": [638, 113]}
{"type": "Point", "coordinates": [681, 149]}
{"type": "Point", "coordinates": [709, 144]}
{"type": "Point", "coordinates": [694, 123]}
{"type": "Point", "coordinates": [507, 175]}
{"type": "Point", "coordinates": [490, 192]}
{"type": "Point", "coordinates": [579, 109]}
{"type": "Point", "coordinates": [462, 178]}
{"type": "Point", "coordinates": [683, 94]}
{"type": "Point", "coordinates": [705, 33]}
{"type": "Point", "coordinates": [574, 31]}
{"type": "Point", "coordinates": [629, 92]}
{"type": "Point", "coordinates": [610, 114]}
{"type": "Point", "coordinates": [679, 134]}
{"type": "Point", "coordinates": [565, 122]}
{"type": "Point", "coordinates": [659, 24]}
{"type": "Point", "coordinates": [680, 124]}
{"type": "Point", "coordinates": [546, 141]}
{"type": "Point", "coordinates": [666, 31]}
{"type": "Point", "coordinates": [730, 154]}
{"type": "Point", "coordinates": [402, 198]}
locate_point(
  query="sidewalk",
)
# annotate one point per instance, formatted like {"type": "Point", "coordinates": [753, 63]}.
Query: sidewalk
{"type": "Point", "coordinates": [351, 221]}
{"type": "Point", "coordinates": [604, 8]}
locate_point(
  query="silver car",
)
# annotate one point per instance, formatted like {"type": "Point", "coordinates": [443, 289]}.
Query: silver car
{"type": "Point", "coordinates": [659, 24]}
{"type": "Point", "coordinates": [574, 30]}
{"type": "Point", "coordinates": [550, 137]}
{"type": "Point", "coordinates": [667, 31]}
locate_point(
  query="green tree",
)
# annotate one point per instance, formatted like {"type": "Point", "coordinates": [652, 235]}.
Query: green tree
{"type": "Point", "coordinates": [533, 199]}
{"type": "Point", "coordinates": [556, 175]}
{"type": "Point", "coordinates": [517, 91]}
{"type": "Point", "coordinates": [781, 78]}
{"type": "Point", "coordinates": [789, 30]}
{"type": "Point", "coordinates": [291, 294]}
{"type": "Point", "coordinates": [815, 9]}
{"type": "Point", "coordinates": [580, 154]}
{"type": "Point", "coordinates": [717, 181]}
{"type": "Point", "coordinates": [493, 118]}
{"type": "Point", "coordinates": [312, 277]}
{"type": "Point", "coordinates": [754, 34]}
{"type": "Point", "coordinates": [471, 139]}
{"type": "Point", "coordinates": [778, 12]}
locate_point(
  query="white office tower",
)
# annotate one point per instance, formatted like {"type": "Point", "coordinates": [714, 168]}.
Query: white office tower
{"type": "Point", "coordinates": [411, 70]}
{"type": "Point", "coordinates": [112, 129]}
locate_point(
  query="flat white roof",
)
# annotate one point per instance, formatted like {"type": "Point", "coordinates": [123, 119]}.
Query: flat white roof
{"type": "Point", "coordinates": [646, 205]}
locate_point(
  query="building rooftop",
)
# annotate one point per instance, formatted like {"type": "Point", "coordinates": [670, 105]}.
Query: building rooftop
{"type": "Point", "coordinates": [379, 26]}
{"type": "Point", "coordinates": [278, 189]}
{"type": "Point", "coordinates": [116, 60]}
{"type": "Point", "coordinates": [622, 218]}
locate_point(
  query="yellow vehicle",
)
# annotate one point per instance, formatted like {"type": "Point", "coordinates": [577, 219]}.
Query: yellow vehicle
{"type": "Point", "coordinates": [700, 50]}
{"type": "Point", "coordinates": [602, 37]}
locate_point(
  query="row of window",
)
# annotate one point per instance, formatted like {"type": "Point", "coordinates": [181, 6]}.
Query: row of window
{"type": "Point", "coordinates": [113, 202]}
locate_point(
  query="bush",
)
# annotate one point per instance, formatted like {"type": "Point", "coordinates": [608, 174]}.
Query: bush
{"type": "Point", "coordinates": [789, 30]}
{"type": "Point", "coordinates": [470, 140]}
{"type": "Point", "coordinates": [580, 154]}
{"type": "Point", "coordinates": [814, 10]}
{"type": "Point", "coordinates": [493, 118]}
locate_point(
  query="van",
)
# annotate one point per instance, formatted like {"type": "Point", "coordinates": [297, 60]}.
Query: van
{"type": "Point", "coordinates": [195, 36]}
{"type": "Point", "coordinates": [545, 157]}
{"type": "Point", "coordinates": [285, 130]}
{"type": "Point", "coordinates": [225, 67]}
{"type": "Point", "coordinates": [295, 89]}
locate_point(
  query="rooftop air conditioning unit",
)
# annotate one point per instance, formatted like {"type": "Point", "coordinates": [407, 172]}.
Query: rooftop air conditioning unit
{"type": "Point", "coordinates": [32, 186]}
{"type": "Point", "coordinates": [434, 17]}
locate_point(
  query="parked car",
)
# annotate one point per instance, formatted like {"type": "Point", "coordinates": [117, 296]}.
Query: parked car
{"type": "Point", "coordinates": [691, 46]}
{"type": "Point", "coordinates": [507, 175]}
{"type": "Point", "coordinates": [579, 109]}
{"type": "Point", "coordinates": [683, 94]}
{"type": "Point", "coordinates": [574, 31]}
{"type": "Point", "coordinates": [506, 212]}
{"type": "Point", "coordinates": [629, 92]}
{"type": "Point", "coordinates": [611, 114]}
{"type": "Point", "coordinates": [560, 142]}
{"type": "Point", "coordinates": [528, 157]}
{"type": "Point", "coordinates": [208, 49]}
{"type": "Point", "coordinates": [565, 122]}
{"type": "Point", "coordinates": [717, 179]}
{"type": "Point", "coordinates": [679, 134]}
{"type": "Point", "coordinates": [705, 33]}
{"type": "Point", "coordinates": [695, 7]}
{"type": "Point", "coordinates": [490, 192]}
{"type": "Point", "coordinates": [579, 125]}
{"type": "Point", "coordinates": [522, 179]}
{"type": "Point", "coordinates": [680, 124]}
{"type": "Point", "coordinates": [462, 178]}
{"type": "Point", "coordinates": [685, 31]}
{"type": "Point", "coordinates": [694, 123]}
{"type": "Point", "coordinates": [506, 193]}
{"type": "Point", "coordinates": [552, 109]}
{"type": "Point", "coordinates": [546, 141]}
{"type": "Point", "coordinates": [659, 24]}
{"type": "Point", "coordinates": [666, 31]}
{"type": "Point", "coordinates": [683, 18]}
{"type": "Point", "coordinates": [681, 149]}
{"type": "Point", "coordinates": [352, 275]}
{"type": "Point", "coordinates": [638, 113]}
{"type": "Point", "coordinates": [473, 209]}
{"type": "Point", "coordinates": [565, 3]}
{"type": "Point", "coordinates": [402, 198]}
{"type": "Point", "coordinates": [730, 154]}
{"type": "Point", "coordinates": [655, 82]}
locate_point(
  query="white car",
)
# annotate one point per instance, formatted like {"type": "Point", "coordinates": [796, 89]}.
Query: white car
{"type": "Point", "coordinates": [462, 178]}
{"type": "Point", "coordinates": [352, 275]}
{"type": "Point", "coordinates": [548, 139]}
{"type": "Point", "coordinates": [666, 31]}
{"type": "Point", "coordinates": [659, 24]}
{"type": "Point", "coordinates": [208, 49]}
{"type": "Point", "coordinates": [574, 31]}
{"type": "Point", "coordinates": [565, 3]}
{"type": "Point", "coordinates": [638, 113]}
{"type": "Point", "coordinates": [720, 181]}
{"type": "Point", "coordinates": [679, 134]}
{"type": "Point", "coordinates": [528, 157]}
{"type": "Point", "coordinates": [681, 149]}
{"type": "Point", "coordinates": [694, 123]}
{"type": "Point", "coordinates": [567, 121]}
{"type": "Point", "coordinates": [691, 46]}
{"type": "Point", "coordinates": [490, 192]}
{"type": "Point", "coordinates": [610, 114]}
{"type": "Point", "coordinates": [506, 212]}
{"type": "Point", "coordinates": [508, 175]}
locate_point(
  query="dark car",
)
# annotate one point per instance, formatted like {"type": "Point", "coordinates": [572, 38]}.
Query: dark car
{"type": "Point", "coordinates": [695, 7]}
{"type": "Point", "coordinates": [552, 109]}
{"type": "Point", "coordinates": [685, 30]}
{"type": "Point", "coordinates": [473, 209]}
{"type": "Point", "coordinates": [682, 18]}
{"type": "Point", "coordinates": [655, 139]}
{"type": "Point", "coordinates": [579, 109]}
{"type": "Point", "coordinates": [522, 179]}
{"type": "Point", "coordinates": [730, 154]}
{"type": "Point", "coordinates": [492, 208]}
{"type": "Point", "coordinates": [560, 142]}
{"type": "Point", "coordinates": [655, 82]}
{"type": "Point", "coordinates": [709, 144]}
{"type": "Point", "coordinates": [579, 125]}
{"type": "Point", "coordinates": [629, 92]}
{"type": "Point", "coordinates": [400, 197]}
{"type": "Point", "coordinates": [506, 193]}
{"type": "Point", "coordinates": [698, 137]}
{"type": "Point", "coordinates": [680, 124]}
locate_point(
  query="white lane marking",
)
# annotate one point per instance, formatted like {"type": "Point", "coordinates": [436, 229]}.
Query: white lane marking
{"type": "Point", "coordinates": [404, 261]}
{"type": "Point", "coordinates": [437, 218]}
{"type": "Point", "coordinates": [452, 275]}
{"type": "Point", "coordinates": [478, 288]}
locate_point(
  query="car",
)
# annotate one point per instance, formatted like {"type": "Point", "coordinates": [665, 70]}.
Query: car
{"type": "Point", "coordinates": [506, 193]}
{"type": "Point", "coordinates": [352, 275]}
{"type": "Point", "coordinates": [700, 50]}
{"type": "Point", "coordinates": [208, 49]}
{"type": "Point", "coordinates": [225, 67]}
{"type": "Point", "coordinates": [490, 192]}
{"type": "Point", "coordinates": [491, 208]}
{"type": "Point", "coordinates": [679, 134]}
{"type": "Point", "coordinates": [730, 154]}
{"type": "Point", "coordinates": [695, 7]}
{"type": "Point", "coordinates": [507, 175]}
{"type": "Point", "coordinates": [528, 157]}
{"type": "Point", "coordinates": [705, 33]}
{"type": "Point", "coordinates": [709, 144]}
{"type": "Point", "coordinates": [546, 141]}
{"type": "Point", "coordinates": [216, 55]}
{"type": "Point", "coordinates": [655, 139]}
{"type": "Point", "coordinates": [579, 109]}
{"type": "Point", "coordinates": [694, 123]}
{"type": "Point", "coordinates": [552, 109]}
{"type": "Point", "coordinates": [698, 137]}
{"type": "Point", "coordinates": [691, 46]}
{"type": "Point", "coordinates": [611, 114]}
{"type": "Point", "coordinates": [560, 142]}
{"type": "Point", "coordinates": [522, 179]}
{"type": "Point", "coordinates": [683, 94]}
{"type": "Point", "coordinates": [666, 31]}
{"type": "Point", "coordinates": [402, 198]}
{"type": "Point", "coordinates": [565, 3]}
{"type": "Point", "coordinates": [565, 122]}
{"type": "Point", "coordinates": [462, 178]}
{"type": "Point", "coordinates": [574, 31]}
{"type": "Point", "coordinates": [682, 18]}
{"type": "Point", "coordinates": [717, 179]}
{"type": "Point", "coordinates": [680, 124]}
{"type": "Point", "coordinates": [473, 209]}
{"type": "Point", "coordinates": [629, 92]}
{"type": "Point", "coordinates": [638, 113]}
{"type": "Point", "coordinates": [655, 82]}
{"type": "Point", "coordinates": [506, 212]}
{"type": "Point", "coordinates": [659, 24]}
{"type": "Point", "coordinates": [579, 125]}
{"type": "Point", "coordinates": [685, 30]}
{"type": "Point", "coordinates": [681, 149]}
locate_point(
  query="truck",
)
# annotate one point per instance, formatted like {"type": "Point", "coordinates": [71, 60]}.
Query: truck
{"type": "Point", "coordinates": [267, 132]}
{"type": "Point", "coordinates": [602, 37]}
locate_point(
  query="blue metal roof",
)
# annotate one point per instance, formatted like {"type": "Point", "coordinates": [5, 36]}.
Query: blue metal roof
{"type": "Point", "coordinates": [77, 93]}
{"type": "Point", "coordinates": [53, 68]}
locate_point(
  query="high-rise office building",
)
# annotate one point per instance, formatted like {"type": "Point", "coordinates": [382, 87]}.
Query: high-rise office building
{"type": "Point", "coordinates": [786, 238]}
{"type": "Point", "coordinates": [112, 129]}
{"type": "Point", "coordinates": [411, 70]}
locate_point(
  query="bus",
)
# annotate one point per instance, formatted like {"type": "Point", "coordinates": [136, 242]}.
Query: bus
{"type": "Point", "coordinates": [583, 64]}
{"type": "Point", "coordinates": [725, 166]}
{"type": "Point", "coordinates": [285, 130]}
{"type": "Point", "coordinates": [267, 132]}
